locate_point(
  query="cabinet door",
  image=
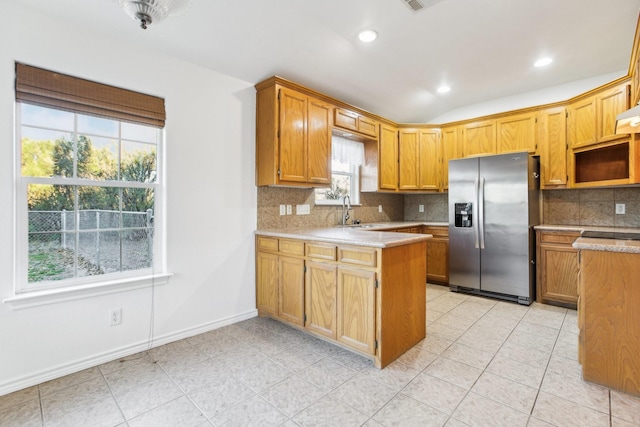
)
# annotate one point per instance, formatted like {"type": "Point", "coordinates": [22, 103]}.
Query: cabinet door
{"type": "Point", "coordinates": [552, 134]}
{"type": "Point", "coordinates": [429, 160]}
{"type": "Point", "coordinates": [291, 289]}
{"type": "Point", "coordinates": [449, 152]}
{"type": "Point", "coordinates": [408, 155]}
{"type": "Point", "coordinates": [479, 138]}
{"type": "Point", "coordinates": [516, 133]}
{"type": "Point", "coordinates": [293, 136]}
{"type": "Point", "coordinates": [367, 126]}
{"type": "Point", "coordinates": [267, 282]}
{"type": "Point", "coordinates": [320, 298]}
{"type": "Point", "coordinates": [345, 119]}
{"type": "Point", "coordinates": [356, 308]}
{"type": "Point", "coordinates": [319, 142]}
{"type": "Point", "coordinates": [582, 123]}
{"type": "Point", "coordinates": [388, 158]}
{"type": "Point", "coordinates": [438, 260]}
{"type": "Point", "coordinates": [609, 104]}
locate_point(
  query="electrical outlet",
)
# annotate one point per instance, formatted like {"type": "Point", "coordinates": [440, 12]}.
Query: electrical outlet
{"type": "Point", "coordinates": [289, 210]}
{"type": "Point", "coordinates": [303, 209]}
{"type": "Point", "coordinates": [379, 208]}
{"type": "Point", "coordinates": [420, 208]}
{"type": "Point", "coordinates": [115, 316]}
{"type": "Point", "coordinates": [283, 210]}
{"type": "Point", "coordinates": [620, 208]}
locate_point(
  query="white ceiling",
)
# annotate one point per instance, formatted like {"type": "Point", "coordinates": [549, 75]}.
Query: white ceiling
{"type": "Point", "coordinates": [483, 49]}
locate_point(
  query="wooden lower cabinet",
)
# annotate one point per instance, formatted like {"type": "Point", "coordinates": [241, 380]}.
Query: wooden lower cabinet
{"type": "Point", "coordinates": [320, 298]}
{"type": "Point", "coordinates": [437, 254]}
{"type": "Point", "coordinates": [609, 319]}
{"type": "Point", "coordinates": [370, 300]}
{"type": "Point", "coordinates": [356, 308]}
{"type": "Point", "coordinates": [557, 268]}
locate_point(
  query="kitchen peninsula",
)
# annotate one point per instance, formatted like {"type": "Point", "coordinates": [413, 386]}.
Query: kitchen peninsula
{"type": "Point", "coordinates": [356, 287]}
{"type": "Point", "coordinates": [608, 316]}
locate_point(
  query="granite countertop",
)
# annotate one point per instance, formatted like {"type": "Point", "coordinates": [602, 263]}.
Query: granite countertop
{"type": "Point", "coordinates": [372, 235]}
{"type": "Point", "coordinates": [581, 228]}
{"type": "Point", "coordinates": [598, 244]}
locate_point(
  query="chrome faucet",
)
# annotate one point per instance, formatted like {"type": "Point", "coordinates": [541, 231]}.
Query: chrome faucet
{"type": "Point", "coordinates": [345, 215]}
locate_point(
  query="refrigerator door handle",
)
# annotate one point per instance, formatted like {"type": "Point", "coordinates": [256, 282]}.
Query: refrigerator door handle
{"type": "Point", "coordinates": [475, 214]}
{"type": "Point", "coordinates": [481, 212]}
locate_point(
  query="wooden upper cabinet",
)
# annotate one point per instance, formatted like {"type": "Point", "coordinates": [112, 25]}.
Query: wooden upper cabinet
{"type": "Point", "coordinates": [293, 138]}
{"type": "Point", "coordinates": [610, 103]}
{"type": "Point", "coordinates": [582, 123]}
{"type": "Point", "coordinates": [551, 135]}
{"type": "Point", "coordinates": [388, 158]}
{"type": "Point", "coordinates": [593, 119]}
{"type": "Point", "coordinates": [419, 159]}
{"type": "Point", "coordinates": [408, 159]}
{"type": "Point", "coordinates": [449, 147]}
{"type": "Point", "coordinates": [516, 132]}
{"type": "Point", "coordinates": [319, 142]}
{"type": "Point", "coordinates": [479, 138]}
{"type": "Point", "coordinates": [430, 158]}
{"type": "Point", "coordinates": [350, 120]}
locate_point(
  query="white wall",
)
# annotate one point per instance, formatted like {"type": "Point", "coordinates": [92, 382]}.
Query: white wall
{"type": "Point", "coordinates": [210, 198]}
{"type": "Point", "coordinates": [549, 95]}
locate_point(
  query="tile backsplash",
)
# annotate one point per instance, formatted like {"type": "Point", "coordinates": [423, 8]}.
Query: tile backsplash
{"type": "Point", "coordinates": [270, 199]}
{"type": "Point", "coordinates": [595, 207]}
{"type": "Point", "coordinates": [592, 207]}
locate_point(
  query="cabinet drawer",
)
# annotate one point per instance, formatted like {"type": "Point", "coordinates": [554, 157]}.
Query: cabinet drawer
{"type": "Point", "coordinates": [563, 238]}
{"type": "Point", "coordinates": [292, 247]}
{"type": "Point", "coordinates": [321, 251]}
{"type": "Point", "coordinates": [268, 244]}
{"type": "Point", "coordinates": [358, 256]}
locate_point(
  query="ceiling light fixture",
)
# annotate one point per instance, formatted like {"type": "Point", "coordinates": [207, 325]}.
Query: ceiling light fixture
{"type": "Point", "coordinates": [367, 36]}
{"type": "Point", "coordinates": [542, 62]}
{"type": "Point", "coordinates": [444, 89]}
{"type": "Point", "coordinates": [148, 11]}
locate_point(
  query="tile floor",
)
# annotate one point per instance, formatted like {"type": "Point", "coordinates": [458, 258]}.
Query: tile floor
{"type": "Point", "coordinates": [483, 363]}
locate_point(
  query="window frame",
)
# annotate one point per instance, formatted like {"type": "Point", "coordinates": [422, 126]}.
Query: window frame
{"type": "Point", "coordinates": [354, 192]}
{"type": "Point", "coordinates": [33, 294]}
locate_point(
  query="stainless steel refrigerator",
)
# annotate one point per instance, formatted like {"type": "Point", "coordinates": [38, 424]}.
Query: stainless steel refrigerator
{"type": "Point", "coordinates": [493, 206]}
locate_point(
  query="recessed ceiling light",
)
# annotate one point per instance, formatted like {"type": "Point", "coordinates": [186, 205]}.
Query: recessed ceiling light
{"type": "Point", "coordinates": [367, 36]}
{"type": "Point", "coordinates": [444, 89]}
{"type": "Point", "coordinates": [543, 62]}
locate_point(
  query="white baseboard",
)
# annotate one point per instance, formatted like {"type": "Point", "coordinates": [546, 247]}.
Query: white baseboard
{"type": "Point", "coordinates": [99, 359]}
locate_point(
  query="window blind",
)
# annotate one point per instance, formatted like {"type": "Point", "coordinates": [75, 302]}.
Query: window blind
{"type": "Point", "coordinates": [50, 89]}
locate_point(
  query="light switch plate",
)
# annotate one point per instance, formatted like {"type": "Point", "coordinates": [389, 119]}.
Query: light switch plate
{"type": "Point", "coordinates": [289, 210]}
{"type": "Point", "coordinates": [620, 208]}
{"type": "Point", "coordinates": [420, 208]}
{"type": "Point", "coordinates": [379, 208]}
{"type": "Point", "coordinates": [283, 210]}
{"type": "Point", "coordinates": [303, 210]}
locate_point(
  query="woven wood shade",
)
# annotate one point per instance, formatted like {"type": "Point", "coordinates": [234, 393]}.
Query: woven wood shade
{"type": "Point", "coordinates": [51, 89]}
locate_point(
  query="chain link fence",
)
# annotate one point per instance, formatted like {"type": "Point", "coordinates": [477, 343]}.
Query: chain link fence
{"type": "Point", "coordinates": [93, 241]}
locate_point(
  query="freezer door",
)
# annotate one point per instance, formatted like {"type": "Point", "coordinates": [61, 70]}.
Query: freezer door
{"type": "Point", "coordinates": [464, 254]}
{"type": "Point", "coordinates": [504, 181]}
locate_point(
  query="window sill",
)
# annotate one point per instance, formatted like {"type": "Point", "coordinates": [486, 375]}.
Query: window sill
{"type": "Point", "coordinates": [53, 296]}
{"type": "Point", "coordinates": [333, 203]}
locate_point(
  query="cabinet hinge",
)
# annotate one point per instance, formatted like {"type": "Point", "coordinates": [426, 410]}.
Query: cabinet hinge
{"type": "Point", "coordinates": [567, 146]}
{"type": "Point", "coordinates": [278, 133]}
{"type": "Point", "coordinates": [278, 172]}
{"type": "Point", "coordinates": [566, 114]}
{"type": "Point", "coordinates": [376, 283]}
{"type": "Point", "coordinates": [304, 318]}
{"type": "Point", "coordinates": [375, 344]}
{"type": "Point", "coordinates": [279, 92]}
{"type": "Point", "coordinates": [305, 268]}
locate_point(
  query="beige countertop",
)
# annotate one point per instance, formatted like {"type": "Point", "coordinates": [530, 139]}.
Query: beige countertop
{"type": "Point", "coordinates": [581, 228]}
{"type": "Point", "coordinates": [607, 245]}
{"type": "Point", "coordinates": [372, 235]}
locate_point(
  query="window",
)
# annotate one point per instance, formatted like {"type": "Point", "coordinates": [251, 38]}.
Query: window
{"type": "Point", "coordinates": [347, 156]}
{"type": "Point", "coordinates": [88, 194]}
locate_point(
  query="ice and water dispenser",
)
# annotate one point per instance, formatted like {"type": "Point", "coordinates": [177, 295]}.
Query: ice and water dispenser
{"type": "Point", "coordinates": [463, 217]}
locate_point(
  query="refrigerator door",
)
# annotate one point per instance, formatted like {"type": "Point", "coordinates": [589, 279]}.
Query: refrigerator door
{"type": "Point", "coordinates": [505, 231]}
{"type": "Point", "coordinates": [464, 261]}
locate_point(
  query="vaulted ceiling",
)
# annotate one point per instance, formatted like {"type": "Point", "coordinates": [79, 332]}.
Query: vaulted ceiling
{"type": "Point", "coordinates": [483, 49]}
